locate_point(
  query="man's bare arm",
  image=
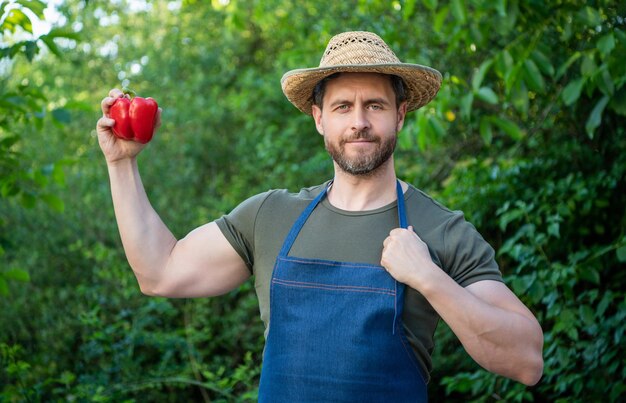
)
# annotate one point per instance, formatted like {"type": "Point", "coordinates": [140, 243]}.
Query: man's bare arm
{"type": "Point", "coordinates": [493, 325]}
{"type": "Point", "coordinates": [201, 264]}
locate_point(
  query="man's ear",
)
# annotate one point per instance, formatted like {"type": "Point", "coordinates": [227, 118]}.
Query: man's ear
{"type": "Point", "coordinates": [401, 115]}
{"type": "Point", "coordinates": [317, 116]}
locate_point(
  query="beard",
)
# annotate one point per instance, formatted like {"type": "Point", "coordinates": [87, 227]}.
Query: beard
{"type": "Point", "coordinates": [364, 164]}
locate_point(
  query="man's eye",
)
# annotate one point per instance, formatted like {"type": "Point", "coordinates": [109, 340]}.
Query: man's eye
{"type": "Point", "coordinates": [375, 107]}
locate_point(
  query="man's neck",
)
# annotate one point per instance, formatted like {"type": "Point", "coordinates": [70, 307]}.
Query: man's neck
{"type": "Point", "coordinates": [360, 193]}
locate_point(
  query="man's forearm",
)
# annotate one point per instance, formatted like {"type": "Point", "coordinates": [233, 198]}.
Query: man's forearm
{"type": "Point", "coordinates": [493, 327]}
{"type": "Point", "coordinates": [147, 241]}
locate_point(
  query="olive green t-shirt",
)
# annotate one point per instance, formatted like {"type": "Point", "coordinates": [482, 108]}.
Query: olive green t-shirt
{"type": "Point", "coordinates": [258, 226]}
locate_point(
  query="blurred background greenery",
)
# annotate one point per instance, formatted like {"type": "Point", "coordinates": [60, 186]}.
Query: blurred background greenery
{"type": "Point", "coordinates": [527, 137]}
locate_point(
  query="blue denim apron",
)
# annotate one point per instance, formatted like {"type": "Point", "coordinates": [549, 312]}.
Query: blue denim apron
{"type": "Point", "coordinates": [336, 331]}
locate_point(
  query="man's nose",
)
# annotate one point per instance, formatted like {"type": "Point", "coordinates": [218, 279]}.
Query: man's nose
{"type": "Point", "coordinates": [360, 121]}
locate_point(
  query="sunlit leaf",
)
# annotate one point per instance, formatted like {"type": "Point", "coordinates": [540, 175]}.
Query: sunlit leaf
{"type": "Point", "coordinates": [16, 18]}
{"type": "Point", "coordinates": [63, 33]}
{"type": "Point", "coordinates": [36, 6]}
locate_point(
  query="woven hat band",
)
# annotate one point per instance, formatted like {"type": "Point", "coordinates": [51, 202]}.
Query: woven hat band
{"type": "Point", "coordinates": [357, 48]}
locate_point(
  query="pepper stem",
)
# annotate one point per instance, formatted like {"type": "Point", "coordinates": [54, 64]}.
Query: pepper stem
{"type": "Point", "coordinates": [129, 92]}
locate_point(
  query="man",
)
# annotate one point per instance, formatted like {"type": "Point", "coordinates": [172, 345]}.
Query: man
{"type": "Point", "coordinates": [352, 275]}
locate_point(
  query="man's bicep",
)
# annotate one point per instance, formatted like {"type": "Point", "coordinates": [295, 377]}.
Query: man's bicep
{"type": "Point", "coordinates": [204, 263]}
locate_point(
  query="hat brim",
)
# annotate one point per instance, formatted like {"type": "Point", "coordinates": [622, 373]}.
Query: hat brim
{"type": "Point", "coordinates": [422, 82]}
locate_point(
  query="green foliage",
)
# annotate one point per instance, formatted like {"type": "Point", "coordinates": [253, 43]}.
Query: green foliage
{"type": "Point", "coordinates": [526, 137]}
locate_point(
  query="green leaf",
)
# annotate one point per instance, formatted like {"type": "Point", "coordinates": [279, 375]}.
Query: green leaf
{"type": "Point", "coordinates": [595, 117]}
{"type": "Point", "coordinates": [511, 77]}
{"type": "Point", "coordinates": [543, 62]}
{"type": "Point", "coordinates": [586, 314]}
{"type": "Point", "coordinates": [4, 287]}
{"type": "Point", "coordinates": [67, 378]}
{"type": "Point", "coordinates": [588, 67]}
{"type": "Point", "coordinates": [58, 175]}
{"type": "Point", "coordinates": [607, 298]}
{"type": "Point", "coordinates": [565, 66]}
{"type": "Point", "coordinates": [590, 274]}
{"type": "Point", "coordinates": [79, 106]}
{"type": "Point", "coordinates": [590, 16]}
{"type": "Point", "coordinates": [501, 7]}
{"type": "Point", "coordinates": [440, 19]}
{"type": "Point", "coordinates": [621, 36]}
{"type": "Point", "coordinates": [554, 229]}
{"type": "Point", "coordinates": [508, 127]}
{"type": "Point", "coordinates": [30, 50]}
{"type": "Point", "coordinates": [572, 91]}
{"type": "Point", "coordinates": [621, 254]}
{"type": "Point", "coordinates": [422, 136]}
{"type": "Point", "coordinates": [407, 9]}
{"type": "Point", "coordinates": [17, 275]}
{"type": "Point", "coordinates": [486, 133]}
{"type": "Point", "coordinates": [479, 74]}
{"type": "Point", "coordinates": [533, 76]}
{"type": "Point", "coordinates": [618, 101]}
{"type": "Point", "coordinates": [503, 63]}
{"type": "Point", "coordinates": [16, 18]}
{"type": "Point", "coordinates": [51, 45]}
{"type": "Point", "coordinates": [63, 33]}
{"type": "Point", "coordinates": [519, 97]}
{"type": "Point", "coordinates": [54, 202]}
{"type": "Point", "coordinates": [9, 141]}
{"type": "Point", "coordinates": [605, 81]}
{"type": "Point", "coordinates": [430, 4]}
{"type": "Point", "coordinates": [436, 126]}
{"type": "Point", "coordinates": [61, 115]}
{"type": "Point", "coordinates": [606, 44]}
{"type": "Point", "coordinates": [488, 95]}
{"type": "Point", "coordinates": [458, 11]}
{"type": "Point", "coordinates": [466, 105]}
{"type": "Point", "coordinates": [36, 6]}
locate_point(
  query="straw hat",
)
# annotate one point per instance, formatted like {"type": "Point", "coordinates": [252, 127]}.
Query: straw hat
{"type": "Point", "coordinates": [362, 52]}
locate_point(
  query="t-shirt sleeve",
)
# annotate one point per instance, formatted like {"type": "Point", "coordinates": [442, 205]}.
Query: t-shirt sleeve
{"type": "Point", "coordinates": [468, 257]}
{"type": "Point", "coordinates": [238, 227]}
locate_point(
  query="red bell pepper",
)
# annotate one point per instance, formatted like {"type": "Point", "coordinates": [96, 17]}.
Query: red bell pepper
{"type": "Point", "coordinates": [134, 119]}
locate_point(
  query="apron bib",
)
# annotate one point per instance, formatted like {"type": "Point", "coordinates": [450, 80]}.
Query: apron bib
{"type": "Point", "coordinates": [336, 331]}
